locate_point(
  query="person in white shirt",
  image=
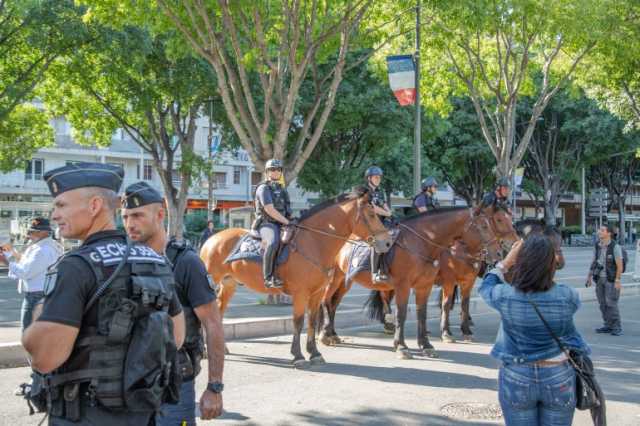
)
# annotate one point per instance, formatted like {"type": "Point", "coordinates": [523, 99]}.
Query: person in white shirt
{"type": "Point", "coordinates": [30, 267]}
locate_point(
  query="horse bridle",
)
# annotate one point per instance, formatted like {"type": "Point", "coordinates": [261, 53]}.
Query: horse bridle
{"type": "Point", "coordinates": [370, 240]}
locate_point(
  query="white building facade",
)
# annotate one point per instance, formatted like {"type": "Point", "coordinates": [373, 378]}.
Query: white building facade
{"type": "Point", "coordinates": [24, 193]}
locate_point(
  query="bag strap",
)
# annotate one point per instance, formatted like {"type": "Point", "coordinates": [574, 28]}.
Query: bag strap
{"type": "Point", "coordinates": [111, 278]}
{"type": "Point", "coordinates": [563, 348]}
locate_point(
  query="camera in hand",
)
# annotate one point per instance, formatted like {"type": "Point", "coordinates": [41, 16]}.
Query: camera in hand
{"type": "Point", "coordinates": [596, 271]}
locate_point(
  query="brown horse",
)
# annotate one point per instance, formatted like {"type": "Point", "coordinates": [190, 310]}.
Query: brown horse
{"type": "Point", "coordinates": [422, 238]}
{"type": "Point", "coordinates": [320, 233]}
{"type": "Point", "coordinates": [458, 270]}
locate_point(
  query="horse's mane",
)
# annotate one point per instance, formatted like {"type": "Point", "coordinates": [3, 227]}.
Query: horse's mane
{"type": "Point", "coordinates": [357, 192]}
{"type": "Point", "coordinates": [437, 212]}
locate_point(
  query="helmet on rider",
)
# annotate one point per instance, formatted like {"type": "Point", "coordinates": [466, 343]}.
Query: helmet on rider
{"type": "Point", "coordinates": [373, 171]}
{"type": "Point", "coordinates": [503, 181]}
{"type": "Point", "coordinates": [428, 183]}
{"type": "Point", "coordinates": [273, 164]}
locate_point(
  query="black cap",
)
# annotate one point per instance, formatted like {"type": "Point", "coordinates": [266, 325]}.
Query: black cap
{"type": "Point", "coordinates": [83, 175]}
{"type": "Point", "coordinates": [140, 194]}
{"type": "Point", "coordinates": [39, 224]}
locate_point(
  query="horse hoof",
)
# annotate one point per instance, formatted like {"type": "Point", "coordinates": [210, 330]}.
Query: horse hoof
{"type": "Point", "coordinates": [335, 339]}
{"type": "Point", "coordinates": [467, 337]}
{"type": "Point", "coordinates": [447, 338]}
{"type": "Point", "coordinates": [300, 364]}
{"type": "Point", "coordinates": [389, 328]}
{"type": "Point", "coordinates": [317, 360]}
{"type": "Point", "coordinates": [430, 352]}
{"type": "Point", "coordinates": [226, 350]}
{"type": "Point", "coordinates": [404, 354]}
{"type": "Point", "coordinates": [326, 340]}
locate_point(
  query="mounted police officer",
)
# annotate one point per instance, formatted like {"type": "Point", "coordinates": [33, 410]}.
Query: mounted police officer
{"type": "Point", "coordinates": [273, 209]}
{"type": "Point", "coordinates": [500, 196]}
{"type": "Point", "coordinates": [143, 216]}
{"type": "Point", "coordinates": [426, 200]}
{"type": "Point", "coordinates": [111, 323]}
{"type": "Point", "coordinates": [374, 177]}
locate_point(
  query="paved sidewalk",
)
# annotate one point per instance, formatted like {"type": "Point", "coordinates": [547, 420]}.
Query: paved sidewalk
{"type": "Point", "coordinates": [365, 383]}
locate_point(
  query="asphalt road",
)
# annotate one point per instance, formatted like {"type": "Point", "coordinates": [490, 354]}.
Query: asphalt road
{"type": "Point", "coordinates": [364, 382]}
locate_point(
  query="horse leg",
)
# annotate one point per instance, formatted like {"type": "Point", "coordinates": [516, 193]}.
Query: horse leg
{"type": "Point", "coordinates": [448, 288]}
{"type": "Point", "coordinates": [422, 296]}
{"type": "Point", "coordinates": [388, 320]}
{"type": "Point", "coordinates": [402, 300]}
{"type": "Point", "coordinates": [313, 309]}
{"type": "Point", "coordinates": [465, 325]}
{"type": "Point", "coordinates": [299, 305]}
{"type": "Point", "coordinates": [226, 290]}
{"type": "Point", "coordinates": [335, 302]}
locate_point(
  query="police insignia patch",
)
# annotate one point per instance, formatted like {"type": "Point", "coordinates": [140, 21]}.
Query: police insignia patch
{"type": "Point", "coordinates": [50, 282]}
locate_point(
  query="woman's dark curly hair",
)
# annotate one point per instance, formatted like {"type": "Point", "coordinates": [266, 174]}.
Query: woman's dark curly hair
{"type": "Point", "coordinates": [535, 266]}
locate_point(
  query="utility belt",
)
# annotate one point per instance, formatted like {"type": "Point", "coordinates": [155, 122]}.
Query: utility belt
{"type": "Point", "coordinates": [58, 401]}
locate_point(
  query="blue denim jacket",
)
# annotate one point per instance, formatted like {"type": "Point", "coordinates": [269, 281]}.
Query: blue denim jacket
{"type": "Point", "coordinates": [522, 336]}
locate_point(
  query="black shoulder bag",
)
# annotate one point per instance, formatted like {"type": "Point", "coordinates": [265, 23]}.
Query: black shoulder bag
{"type": "Point", "coordinates": [589, 396]}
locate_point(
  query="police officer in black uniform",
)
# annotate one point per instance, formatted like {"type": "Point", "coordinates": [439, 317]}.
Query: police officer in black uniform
{"type": "Point", "coordinates": [107, 335]}
{"type": "Point", "coordinates": [374, 177]}
{"type": "Point", "coordinates": [426, 200]}
{"type": "Point", "coordinates": [500, 196]}
{"type": "Point", "coordinates": [143, 216]}
{"type": "Point", "coordinates": [273, 209]}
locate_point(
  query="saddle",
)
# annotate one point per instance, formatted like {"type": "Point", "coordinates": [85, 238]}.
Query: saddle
{"type": "Point", "coordinates": [360, 259]}
{"type": "Point", "coordinates": [250, 248]}
{"type": "Point", "coordinates": [286, 234]}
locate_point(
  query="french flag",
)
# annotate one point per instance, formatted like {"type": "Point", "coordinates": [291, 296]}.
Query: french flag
{"type": "Point", "coordinates": [402, 78]}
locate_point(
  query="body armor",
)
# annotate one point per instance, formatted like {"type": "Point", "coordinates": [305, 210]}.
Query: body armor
{"type": "Point", "coordinates": [377, 197]}
{"type": "Point", "coordinates": [280, 199]}
{"type": "Point", "coordinates": [124, 358]}
{"type": "Point", "coordinates": [192, 350]}
{"type": "Point", "coordinates": [431, 202]}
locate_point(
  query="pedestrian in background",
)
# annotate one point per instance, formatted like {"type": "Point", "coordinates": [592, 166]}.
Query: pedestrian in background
{"type": "Point", "coordinates": [207, 233]}
{"type": "Point", "coordinates": [606, 271]}
{"type": "Point", "coordinates": [536, 384]}
{"type": "Point", "coordinates": [30, 267]}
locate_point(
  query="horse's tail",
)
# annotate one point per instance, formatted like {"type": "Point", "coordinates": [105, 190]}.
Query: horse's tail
{"type": "Point", "coordinates": [375, 306]}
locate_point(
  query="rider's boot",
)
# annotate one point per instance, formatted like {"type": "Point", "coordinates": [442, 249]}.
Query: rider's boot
{"type": "Point", "coordinates": [378, 276]}
{"type": "Point", "coordinates": [268, 264]}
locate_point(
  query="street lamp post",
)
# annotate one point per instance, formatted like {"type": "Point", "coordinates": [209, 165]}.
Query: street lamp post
{"type": "Point", "coordinates": [416, 135]}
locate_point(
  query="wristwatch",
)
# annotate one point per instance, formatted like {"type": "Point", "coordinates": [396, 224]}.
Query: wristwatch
{"type": "Point", "coordinates": [215, 387]}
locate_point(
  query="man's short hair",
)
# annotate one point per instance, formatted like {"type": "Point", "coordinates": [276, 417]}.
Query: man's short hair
{"type": "Point", "coordinates": [608, 227]}
{"type": "Point", "coordinates": [110, 198]}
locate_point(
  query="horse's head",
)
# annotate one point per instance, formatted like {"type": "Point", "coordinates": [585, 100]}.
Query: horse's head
{"type": "Point", "coordinates": [502, 223]}
{"type": "Point", "coordinates": [366, 224]}
{"type": "Point", "coordinates": [528, 227]}
{"type": "Point", "coordinates": [479, 238]}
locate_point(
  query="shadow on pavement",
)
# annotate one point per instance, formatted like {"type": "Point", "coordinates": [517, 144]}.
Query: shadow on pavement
{"type": "Point", "coordinates": [377, 417]}
{"type": "Point", "coordinates": [401, 375]}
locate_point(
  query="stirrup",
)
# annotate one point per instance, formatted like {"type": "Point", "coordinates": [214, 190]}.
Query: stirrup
{"type": "Point", "coordinates": [273, 282]}
{"type": "Point", "coordinates": [380, 278]}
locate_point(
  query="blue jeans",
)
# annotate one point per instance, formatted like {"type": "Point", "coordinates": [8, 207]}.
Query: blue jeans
{"type": "Point", "coordinates": [28, 303]}
{"type": "Point", "coordinates": [531, 395]}
{"type": "Point", "coordinates": [182, 413]}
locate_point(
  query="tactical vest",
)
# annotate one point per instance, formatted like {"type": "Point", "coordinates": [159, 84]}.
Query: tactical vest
{"type": "Point", "coordinates": [610, 266]}
{"type": "Point", "coordinates": [280, 199]}
{"type": "Point", "coordinates": [118, 363]}
{"type": "Point", "coordinates": [431, 202]}
{"type": "Point", "coordinates": [192, 350]}
{"type": "Point", "coordinates": [377, 197]}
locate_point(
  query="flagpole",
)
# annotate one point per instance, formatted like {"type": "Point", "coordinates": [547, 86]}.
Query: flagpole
{"type": "Point", "coordinates": [416, 135]}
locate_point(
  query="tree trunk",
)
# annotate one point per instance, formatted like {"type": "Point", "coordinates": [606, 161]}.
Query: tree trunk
{"type": "Point", "coordinates": [621, 219]}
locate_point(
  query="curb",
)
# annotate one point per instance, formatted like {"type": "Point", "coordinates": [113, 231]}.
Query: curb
{"type": "Point", "coordinates": [13, 355]}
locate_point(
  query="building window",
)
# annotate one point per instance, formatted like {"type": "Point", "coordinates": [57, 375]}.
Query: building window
{"type": "Point", "coordinates": [34, 169]}
{"type": "Point", "coordinates": [237, 223]}
{"type": "Point", "coordinates": [236, 175]}
{"type": "Point", "coordinates": [221, 180]}
{"type": "Point", "coordinates": [148, 170]}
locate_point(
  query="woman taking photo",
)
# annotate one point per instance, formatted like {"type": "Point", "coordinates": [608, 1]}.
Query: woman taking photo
{"type": "Point", "coordinates": [536, 384]}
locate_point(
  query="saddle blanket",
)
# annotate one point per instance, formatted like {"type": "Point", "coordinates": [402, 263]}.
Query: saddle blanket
{"type": "Point", "coordinates": [250, 248]}
{"type": "Point", "coordinates": [360, 260]}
